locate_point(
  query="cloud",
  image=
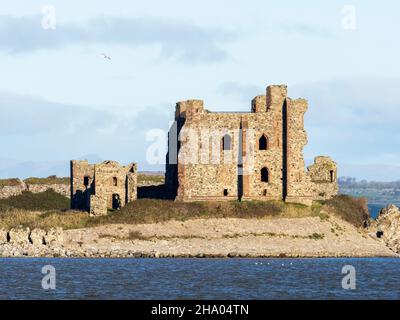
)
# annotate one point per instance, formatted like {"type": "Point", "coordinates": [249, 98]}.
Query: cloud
{"type": "Point", "coordinates": [30, 115]}
{"type": "Point", "coordinates": [306, 30]}
{"type": "Point", "coordinates": [358, 102]}
{"type": "Point", "coordinates": [355, 120]}
{"type": "Point", "coordinates": [34, 129]}
{"type": "Point", "coordinates": [180, 40]}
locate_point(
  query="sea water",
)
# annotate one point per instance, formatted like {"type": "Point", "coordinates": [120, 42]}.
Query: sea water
{"type": "Point", "coordinates": [375, 278]}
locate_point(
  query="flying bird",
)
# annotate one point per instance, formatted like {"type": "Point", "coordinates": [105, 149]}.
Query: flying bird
{"type": "Point", "coordinates": [105, 56]}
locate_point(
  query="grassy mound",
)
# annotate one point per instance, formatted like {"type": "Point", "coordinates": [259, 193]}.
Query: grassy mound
{"type": "Point", "coordinates": [47, 200]}
{"type": "Point", "coordinates": [154, 210]}
{"type": "Point", "coordinates": [141, 211]}
{"type": "Point", "coordinates": [147, 178]}
{"type": "Point", "coordinates": [51, 219]}
{"type": "Point", "coordinates": [353, 210]}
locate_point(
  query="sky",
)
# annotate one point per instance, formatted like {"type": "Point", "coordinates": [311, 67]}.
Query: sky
{"type": "Point", "coordinates": [61, 99]}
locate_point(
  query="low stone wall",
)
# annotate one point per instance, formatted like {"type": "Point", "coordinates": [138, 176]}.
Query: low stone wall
{"type": "Point", "coordinates": [63, 189]}
{"type": "Point", "coordinates": [7, 191]}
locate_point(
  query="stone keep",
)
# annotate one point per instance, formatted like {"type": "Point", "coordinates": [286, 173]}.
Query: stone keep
{"type": "Point", "coordinates": [99, 187]}
{"type": "Point", "coordinates": [255, 155]}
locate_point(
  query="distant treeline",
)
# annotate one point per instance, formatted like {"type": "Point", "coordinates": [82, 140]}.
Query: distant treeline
{"type": "Point", "coordinates": [350, 182]}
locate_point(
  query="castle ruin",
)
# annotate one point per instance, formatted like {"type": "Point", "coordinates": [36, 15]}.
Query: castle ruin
{"type": "Point", "coordinates": [255, 155]}
{"type": "Point", "coordinates": [219, 156]}
{"type": "Point", "coordinates": [102, 186]}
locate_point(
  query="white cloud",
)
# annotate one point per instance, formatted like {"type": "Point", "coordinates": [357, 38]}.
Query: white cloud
{"type": "Point", "coordinates": [181, 40]}
{"type": "Point", "coordinates": [355, 120]}
{"type": "Point", "coordinates": [36, 129]}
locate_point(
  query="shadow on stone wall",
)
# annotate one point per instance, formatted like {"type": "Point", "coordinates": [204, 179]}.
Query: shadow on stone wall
{"type": "Point", "coordinates": [153, 192]}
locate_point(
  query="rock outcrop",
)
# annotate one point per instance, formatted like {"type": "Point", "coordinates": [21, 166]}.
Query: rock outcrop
{"type": "Point", "coordinates": [37, 237]}
{"type": "Point", "coordinates": [387, 227]}
{"type": "Point", "coordinates": [3, 236]}
{"type": "Point", "coordinates": [54, 236]}
{"type": "Point", "coordinates": [19, 236]}
{"type": "Point", "coordinates": [21, 241]}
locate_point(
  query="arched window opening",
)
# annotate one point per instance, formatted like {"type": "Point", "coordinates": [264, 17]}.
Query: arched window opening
{"type": "Point", "coordinates": [263, 143]}
{"type": "Point", "coordinates": [115, 181]}
{"type": "Point", "coordinates": [264, 175]}
{"type": "Point", "coordinates": [226, 142]}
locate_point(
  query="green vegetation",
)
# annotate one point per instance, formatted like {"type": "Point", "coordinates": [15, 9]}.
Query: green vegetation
{"type": "Point", "coordinates": [46, 221]}
{"type": "Point", "coordinates": [143, 178]}
{"type": "Point", "coordinates": [43, 201]}
{"type": "Point", "coordinates": [154, 210]}
{"type": "Point", "coordinates": [317, 236]}
{"type": "Point", "coordinates": [137, 235]}
{"type": "Point", "coordinates": [19, 210]}
{"type": "Point", "coordinates": [353, 210]}
{"type": "Point", "coordinates": [48, 180]}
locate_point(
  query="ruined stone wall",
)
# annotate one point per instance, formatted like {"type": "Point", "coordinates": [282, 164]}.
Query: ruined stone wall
{"type": "Point", "coordinates": [265, 119]}
{"type": "Point", "coordinates": [323, 175]}
{"type": "Point", "coordinates": [205, 170]}
{"type": "Point", "coordinates": [63, 189]}
{"type": "Point", "coordinates": [115, 186]}
{"type": "Point", "coordinates": [82, 177]}
{"type": "Point", "coordinates": [99, 187]}
{"type": "Point", "coordinates": [198, 175]}
{"type": "Point", "coordinates": [298, 184]}
{"type": "Point", "coordinates": [7, 191]}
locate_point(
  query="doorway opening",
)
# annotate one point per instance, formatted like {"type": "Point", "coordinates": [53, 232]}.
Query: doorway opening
{"type": "Point", "coordinates": [116, 201]}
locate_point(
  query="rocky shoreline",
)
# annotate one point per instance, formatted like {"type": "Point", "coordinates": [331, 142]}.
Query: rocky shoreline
{"type": "Point", "coordinates": [308, 237]}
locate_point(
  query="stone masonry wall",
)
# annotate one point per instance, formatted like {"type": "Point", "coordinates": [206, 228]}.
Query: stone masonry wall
{"type": "Point", "coordinates": [63, 189]}
{"type": "Point", "coordinates": [298, 183]}
{"type": "Point", "coordinates": [114, 187]}
{"type": "Point", "coordinates": [14, 190]}
{"type": "Point", "coordinates": [82, 177]}
{"type": "Point", "coordinates": [205, 171]}
{"type": "Point", "coordinates": [323, 175]}
{"type": "Point", "coordinates": [99, 187]}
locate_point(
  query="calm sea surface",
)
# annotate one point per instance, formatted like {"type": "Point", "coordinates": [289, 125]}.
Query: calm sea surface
{"type": "Point", "coordinates": [376, 278]}
{"type": "Point", "coordinates": [374, 209]}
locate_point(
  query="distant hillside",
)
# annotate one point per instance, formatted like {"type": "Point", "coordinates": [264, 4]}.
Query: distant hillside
{"type": "Point", "coordinates": [376, 192]}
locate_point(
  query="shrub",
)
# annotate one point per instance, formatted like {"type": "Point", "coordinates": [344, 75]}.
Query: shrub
{"type": "Point", "coordinates": [350, 209]}
{"type": "Point", "coordinates": [47, 200]}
